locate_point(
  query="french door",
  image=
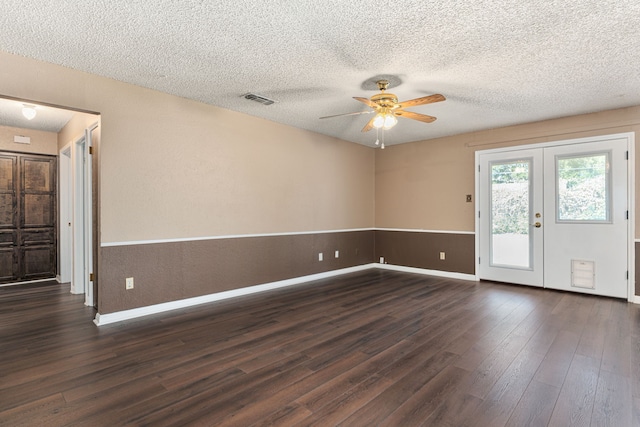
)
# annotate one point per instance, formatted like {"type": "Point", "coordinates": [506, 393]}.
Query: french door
{"type": "Point", "coordinates": [556, 216]}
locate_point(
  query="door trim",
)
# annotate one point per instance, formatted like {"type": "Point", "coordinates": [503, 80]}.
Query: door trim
{"type": "Point", "coordinates": [65, 201]}
{"type": "Point", "coordinates": [630, 137]}
{"type": "Point", "coordinates": [79, 276]}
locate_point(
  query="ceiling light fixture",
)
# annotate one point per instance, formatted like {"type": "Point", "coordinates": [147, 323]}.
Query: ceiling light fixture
{"type": "Point", "coordinates": [385, 119]}
{"type": "Point", "coordinates": [29, 111]}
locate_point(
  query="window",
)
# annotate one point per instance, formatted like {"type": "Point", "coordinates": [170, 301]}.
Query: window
{"type": "Point", "coordinates": [510, 212]}
{"type": "Point", "coordinates": [583, 188]}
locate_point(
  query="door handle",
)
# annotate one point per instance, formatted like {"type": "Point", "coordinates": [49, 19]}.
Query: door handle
{"type": "Point", "coordinates": [537, 225]}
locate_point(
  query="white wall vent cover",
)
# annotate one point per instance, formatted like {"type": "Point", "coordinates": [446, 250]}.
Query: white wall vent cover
{"type": "Point", "coordinates": [19, 139]}
{"type": "Point", "coordinates": [258, 98]}
{"type": "Point", "coordinates": [583, 274]}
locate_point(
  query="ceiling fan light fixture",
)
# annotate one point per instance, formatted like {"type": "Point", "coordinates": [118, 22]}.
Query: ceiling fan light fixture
{"type": "Point", "coordinates": [384, 120]}
{"type": "Point", "coordinates": [29, 112]}
{"type": "Point", "coordinates": [389, 121]}
{"type": "Point", "coordinates": [378, 121]}
{"type": "Point", "coordinates": [387, 108]}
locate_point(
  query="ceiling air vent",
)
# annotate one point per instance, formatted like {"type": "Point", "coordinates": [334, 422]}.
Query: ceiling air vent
{"type": "Point", "coordinates": [258, 98]}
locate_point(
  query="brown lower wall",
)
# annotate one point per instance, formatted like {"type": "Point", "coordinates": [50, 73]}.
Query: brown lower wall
{"type": "Point", "coordinates": [166, 272]}
{"type": "Point", "coordinates": [637, 278]}
{"type": "Point", "coordinates": [422, 250]}
{"type": "Point", "coordinates": [172, 271]}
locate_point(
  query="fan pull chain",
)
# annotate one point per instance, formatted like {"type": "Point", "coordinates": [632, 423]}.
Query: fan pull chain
{"type": "Point", "coordinates": [382, 146]}
{"type": "Point", "coordinates": [377, 139]}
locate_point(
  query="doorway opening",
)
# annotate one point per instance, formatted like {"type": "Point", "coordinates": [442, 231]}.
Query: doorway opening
{"type": "Point", "coordinates": [71, 135]}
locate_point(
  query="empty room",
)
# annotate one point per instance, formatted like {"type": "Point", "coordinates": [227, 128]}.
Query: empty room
{"type": "Point", "coordinates": [319, 213]}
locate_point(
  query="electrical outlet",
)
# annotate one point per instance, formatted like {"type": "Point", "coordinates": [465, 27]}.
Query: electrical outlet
{"type": "Point", "coordinates": [320, 257]}
{"type": "Point", "coordinates": [128, 283]}
{"type": "Point", "coordinates": [381, 260]}
{"type": "Point", "coordinates": [337, 254]}
{"type": "Point", "coordinates": [442, 256]}
{"type": "Point", "coordinates": [468, 198]}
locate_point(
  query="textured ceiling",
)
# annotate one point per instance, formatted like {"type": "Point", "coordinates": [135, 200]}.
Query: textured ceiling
{"type": "Point", "coordinates": [497, 62]}
{"type": "Point", "coordinates": [47, 118]}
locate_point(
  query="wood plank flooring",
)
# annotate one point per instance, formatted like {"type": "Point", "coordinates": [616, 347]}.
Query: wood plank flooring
{"type": "Point", "coordinates": [376, 348]}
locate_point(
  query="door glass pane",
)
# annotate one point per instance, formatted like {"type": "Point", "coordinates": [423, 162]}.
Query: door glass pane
{"type": "Point", "coordinates": [510, 213]}
{"type": "Point", "coordinates": [583, 188]}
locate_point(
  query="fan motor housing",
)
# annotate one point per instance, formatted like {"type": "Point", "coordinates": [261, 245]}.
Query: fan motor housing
{"type": "Point", "coordinates": [388, 100]}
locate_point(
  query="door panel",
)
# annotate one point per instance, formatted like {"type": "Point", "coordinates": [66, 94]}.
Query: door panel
{"type": "Point", "coordinates": [37, 237]}
{"type": "Point", "coordinates": [8, 191]}
{"type": "Point", "coordinates": [511, 247]}
{"type": "Point", "coordinates": [37, 175]}
{"type": "Point", "coordinates": [8, 264]}
{"type": "Point", "coordinates": [38, 210]}
{"type": "Point", "coordinates": [587, 218]}
{"type": "Point", "coordinates": [7, 210]}
{"type": "Point", "coordinates": [38, 192]}
{"type": "Point", "coordinates": [38, 262]}
{"type": "Point", "coordinates": [38, 217]}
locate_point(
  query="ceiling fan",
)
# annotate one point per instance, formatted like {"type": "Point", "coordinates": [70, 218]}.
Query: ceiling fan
{"type": "Point", "coordinates": [387, 108]}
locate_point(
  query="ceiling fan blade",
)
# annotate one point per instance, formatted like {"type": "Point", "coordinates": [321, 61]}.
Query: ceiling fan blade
{"type": "Point", "coordinates": [348, 114]}
{"type": "Point", "coordinates": [369, 125]}
{"type": "Point", "coordinates": [415, 116]}
{"type": "Point", "coordinates": [366, 101]}
{"type": "Point", "coordinates": [421, 101]}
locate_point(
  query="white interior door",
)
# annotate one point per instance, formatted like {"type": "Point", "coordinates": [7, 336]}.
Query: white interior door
{"type": "Point", "coordinates": [556, 216]}
{"type": "Point", "coordinates": [66, 215]}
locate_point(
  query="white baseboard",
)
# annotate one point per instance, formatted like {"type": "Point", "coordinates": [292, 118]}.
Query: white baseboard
{"type": "Point", "coordinates": [105, 319]}
{"type": "Point", "coordinates": [438, 273]}
{"type": "Point", "coordinates": [26, 282]}
{"type": "Point", "coordinates": [118, 316]}
{"type": "Point", "coordinates": [636, 299]}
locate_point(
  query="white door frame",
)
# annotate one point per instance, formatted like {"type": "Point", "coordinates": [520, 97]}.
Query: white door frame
{"type": "Point", "coordinates": [79, 279]}
{"type": "Point", "coordinates": [630, 137]}
{"type": "Point", "coordinates": [88, 215]}
{"type": "Point", "coordinates": [65, 259]}
{"type": "Point", "coordinates": [76, 195]}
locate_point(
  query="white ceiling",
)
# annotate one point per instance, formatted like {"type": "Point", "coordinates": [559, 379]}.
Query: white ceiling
{"type": "Point", "coordinates": [47, 118]}
{"type": "Point", "coordinates": [497, 62]}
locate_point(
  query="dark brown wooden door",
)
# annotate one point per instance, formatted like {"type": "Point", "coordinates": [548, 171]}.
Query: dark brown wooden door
{"type": "Point", "coordinates": [27, 217]}
{"type": "Point", "coordinates": [9, 270]}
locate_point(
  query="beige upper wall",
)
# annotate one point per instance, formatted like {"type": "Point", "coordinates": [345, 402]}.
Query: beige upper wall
{"type": "Point", "coordinates": [74, 129]}
{"type": "Point", "coordinates": [423, 185]}
{"type": "Point", "coordinates": [175, 168]}
{"type": "Point", "coordinates": [41, 142]}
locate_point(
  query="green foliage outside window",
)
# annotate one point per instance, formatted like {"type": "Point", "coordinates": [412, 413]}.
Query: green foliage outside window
{"type": "Point", "coordinates": [582, 192]}
{"type": "Point", "coordinates": [582, 188]}
{"type": "Point", "coordinates": [510, 197]}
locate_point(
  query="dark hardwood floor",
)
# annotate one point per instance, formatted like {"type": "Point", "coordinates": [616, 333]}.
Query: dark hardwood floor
{"type": "Point", "coordinates": [366, 349]}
